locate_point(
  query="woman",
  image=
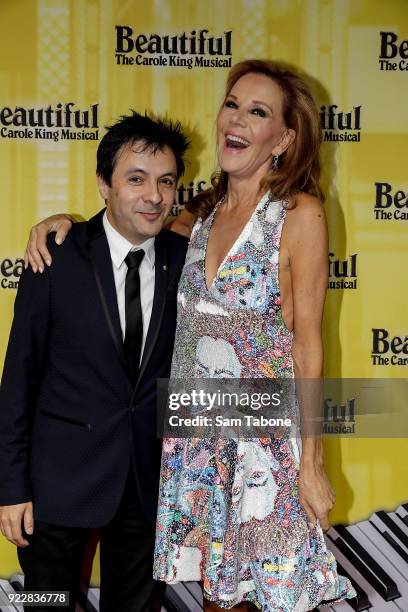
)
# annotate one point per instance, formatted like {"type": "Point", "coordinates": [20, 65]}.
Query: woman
{"type": "Point", "coordinates": [245, 517]}
{"type": "Point", "coordinates": [252, 290]}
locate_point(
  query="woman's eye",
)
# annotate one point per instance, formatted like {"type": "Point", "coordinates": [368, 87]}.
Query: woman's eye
{"type": "Point", "coordinates": [258, 111]}
{"type": "Point", "coordinates": [230, 104]}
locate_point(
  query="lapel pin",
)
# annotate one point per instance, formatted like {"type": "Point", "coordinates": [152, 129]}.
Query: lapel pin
{"type": "Point", "coordinates": [164, 267]}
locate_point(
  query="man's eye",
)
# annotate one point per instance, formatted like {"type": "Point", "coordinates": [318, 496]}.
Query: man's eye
{"type": "Point", "coordinates": [258, 111]}
{"type": "Point", "coordinates": [168, 181]}
{"type": "Point", "coordinates": [230, 104]}
{"type": "Point", "coordinates": [135, 179]}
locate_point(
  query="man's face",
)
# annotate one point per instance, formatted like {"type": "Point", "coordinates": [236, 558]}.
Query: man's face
{"type": "Point", "coordinates": [142, 191]}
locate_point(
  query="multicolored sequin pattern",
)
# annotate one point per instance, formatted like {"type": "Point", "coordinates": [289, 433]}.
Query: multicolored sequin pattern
{"type": "Point", "coordinates": [242, 306]}
{"type": "Point", "coordinates": [229, 513]}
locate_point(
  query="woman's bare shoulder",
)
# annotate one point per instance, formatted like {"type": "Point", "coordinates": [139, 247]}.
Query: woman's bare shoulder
{"type": "Point", "coordinates": [305, 211]}
{"type": "Point", "coordinates": [305, 223]}
{"type": "Point", "coordinates": [304, 205]}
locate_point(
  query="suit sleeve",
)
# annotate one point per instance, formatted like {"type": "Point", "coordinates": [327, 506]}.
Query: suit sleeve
{"type": "Point", "coordinates": [22, 376]}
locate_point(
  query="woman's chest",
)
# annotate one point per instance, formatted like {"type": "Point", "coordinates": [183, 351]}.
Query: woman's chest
{"type": "Point", "coordinates": [240, 274]}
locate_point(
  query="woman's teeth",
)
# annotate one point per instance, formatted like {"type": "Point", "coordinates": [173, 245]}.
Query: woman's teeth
{"type": "Point", "coordinates": [237, 142]}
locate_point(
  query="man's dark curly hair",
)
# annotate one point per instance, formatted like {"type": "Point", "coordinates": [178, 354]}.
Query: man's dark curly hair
{"type": "Point", "coordinates": [152, 133]}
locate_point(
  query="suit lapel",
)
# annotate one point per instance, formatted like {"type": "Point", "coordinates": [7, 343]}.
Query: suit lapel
{"type": "Point", "coordinates": [101, 261]}
{"type": "Point", "coordinates": [159, 302]}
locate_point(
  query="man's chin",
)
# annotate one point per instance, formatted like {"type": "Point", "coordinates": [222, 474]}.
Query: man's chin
{"type": "Point", "coordinates": [152, 228]}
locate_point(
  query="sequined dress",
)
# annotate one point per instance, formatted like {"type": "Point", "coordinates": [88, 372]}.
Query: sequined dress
{"type": "Point", "coordinates": [229, 514]}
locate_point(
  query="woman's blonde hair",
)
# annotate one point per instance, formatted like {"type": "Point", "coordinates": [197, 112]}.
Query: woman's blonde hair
{"type": "Point", "coordinates": [298, 167]}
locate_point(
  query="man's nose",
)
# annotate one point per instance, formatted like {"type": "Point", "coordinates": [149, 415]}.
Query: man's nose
{"type": "Point", "coordinates": [153, 194]}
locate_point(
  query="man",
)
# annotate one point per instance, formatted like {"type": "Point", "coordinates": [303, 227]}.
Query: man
{"type": "Point", "coordinates": [90, 336]}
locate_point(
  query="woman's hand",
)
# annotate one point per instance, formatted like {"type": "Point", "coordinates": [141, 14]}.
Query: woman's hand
{"type": "Point", "coordinates": [316, 495]}
{"type": "Point", "coordinates": [36, 253]}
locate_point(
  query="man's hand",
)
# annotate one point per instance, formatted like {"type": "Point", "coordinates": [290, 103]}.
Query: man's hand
{"type": "Point", "coordinates": [316, 495]}
{"type": "Point", "coordinates": [36, 253]}
{"type": "Point", "coordinates": [11, 520]}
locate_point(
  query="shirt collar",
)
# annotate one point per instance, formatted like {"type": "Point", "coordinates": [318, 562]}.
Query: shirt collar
{"type": "Point", "coordinates": [119, 246]}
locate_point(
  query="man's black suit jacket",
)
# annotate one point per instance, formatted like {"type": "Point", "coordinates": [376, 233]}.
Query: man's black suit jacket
{"type": "Point", "coordinates": [70, 420]}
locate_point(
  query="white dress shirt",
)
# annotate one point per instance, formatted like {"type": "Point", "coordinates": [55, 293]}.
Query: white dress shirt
{"type": "Point", "coordinates": [119, 247]}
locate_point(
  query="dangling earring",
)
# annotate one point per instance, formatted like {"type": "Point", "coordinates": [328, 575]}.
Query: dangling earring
{"type": "Point", "coordinates": [275, 162]}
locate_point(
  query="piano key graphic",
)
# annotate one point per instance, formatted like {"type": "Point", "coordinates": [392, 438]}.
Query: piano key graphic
{"type": "Point", "coordinates": [345, 556]}
{"type": "Point", "coordinates": [376, 575]}
{"type": "Point", "coordinates": [359, 604]}
{"type": "Point", "coordinates": [388, 546]}
{"type": "Point", "coordinates": [383, 554]}
{"type": "Point", "coordinates": [392, 524]}
{"type": "Point", "coordinates": [5, 590]}
{"type": "Point", "coordinates": [402, 512]}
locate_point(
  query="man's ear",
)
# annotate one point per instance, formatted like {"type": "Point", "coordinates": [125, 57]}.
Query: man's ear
{"type": "Point", "coordinates": [102, 186]}
{"type": "Point", "coordinates": [288, 137]}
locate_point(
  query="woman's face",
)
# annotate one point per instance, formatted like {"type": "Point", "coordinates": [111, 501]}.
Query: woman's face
{"type": "Point", "coordinates": [250, 127]}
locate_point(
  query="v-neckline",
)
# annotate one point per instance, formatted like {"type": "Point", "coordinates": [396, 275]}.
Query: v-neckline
{"type": "Point", "coordinates": [208, 288]}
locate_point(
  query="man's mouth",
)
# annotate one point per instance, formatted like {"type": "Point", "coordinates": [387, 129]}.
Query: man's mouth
{"type": "Point", "coordinates": [236, 142]}
{"type": "Point", "coordinates": [151, 216]}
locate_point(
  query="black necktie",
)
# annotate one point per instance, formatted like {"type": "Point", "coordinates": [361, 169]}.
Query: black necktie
{"type": "Point", "coordinates": [133, 313]}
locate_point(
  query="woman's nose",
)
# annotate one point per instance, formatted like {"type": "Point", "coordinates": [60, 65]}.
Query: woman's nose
{"type": "Point", "coordinates": [238, 117]}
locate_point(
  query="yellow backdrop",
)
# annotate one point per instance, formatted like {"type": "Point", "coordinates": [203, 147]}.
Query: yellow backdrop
{"type": "Point", "coordinates": [69, 67]}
